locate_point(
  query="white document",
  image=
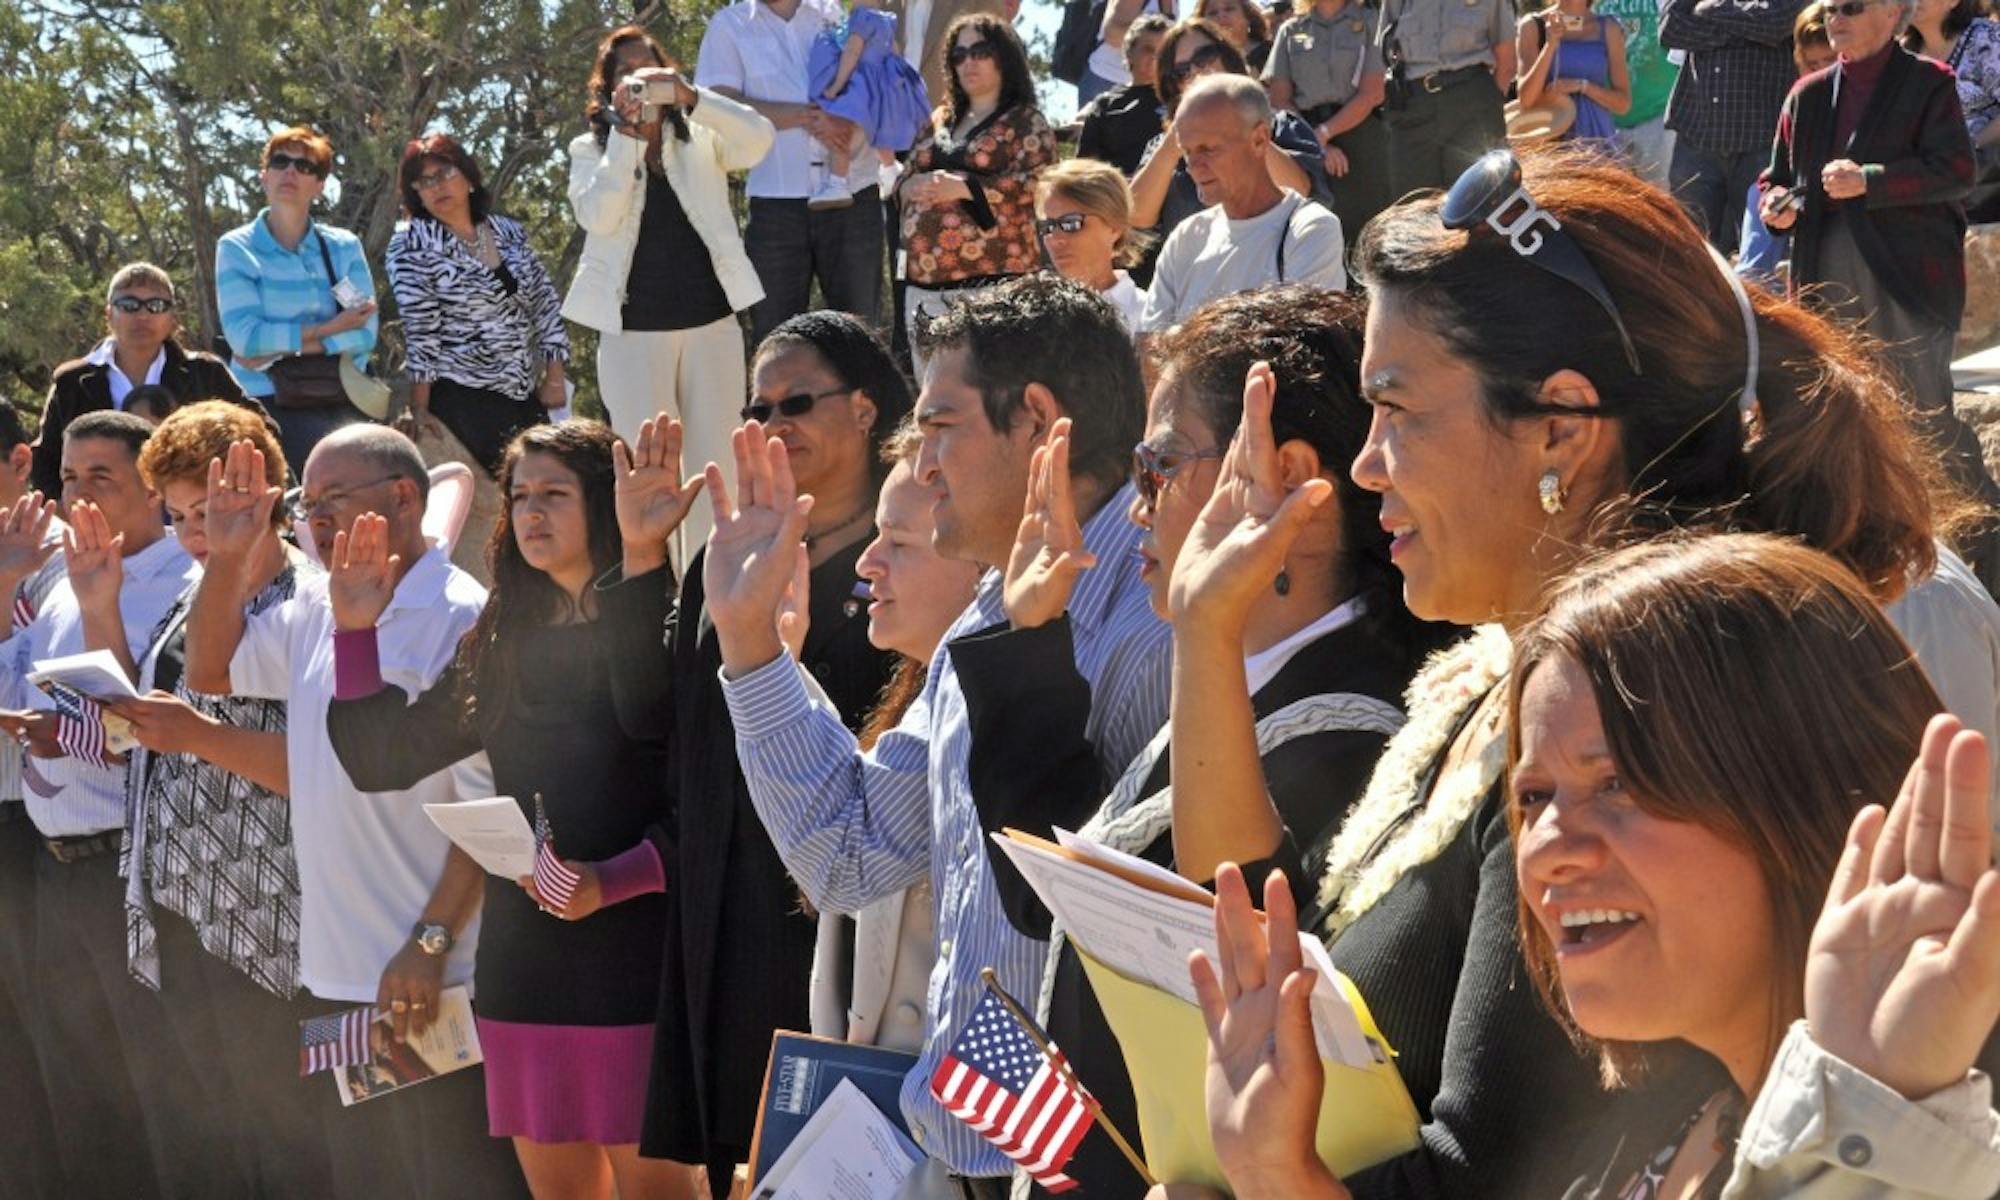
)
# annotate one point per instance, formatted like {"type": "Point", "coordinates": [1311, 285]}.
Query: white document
{"type": "Point", "coordinates": [95, 674]}
{"type": "Point", "coordinates": [492, 831]}
{"type": "Point", "coordinates": [848, 1151]}
{"type": "Point", "coordinates": [1146, 936]}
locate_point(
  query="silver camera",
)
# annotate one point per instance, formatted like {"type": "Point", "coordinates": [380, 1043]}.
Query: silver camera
{"type": "Point", "coordinates": [652, 92]}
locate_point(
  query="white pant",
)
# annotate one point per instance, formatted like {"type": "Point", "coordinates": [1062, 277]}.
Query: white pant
{"type": "Point", "coordinates": [697, 375]}
{"type": "Point", "coordinates": [1649, 148]}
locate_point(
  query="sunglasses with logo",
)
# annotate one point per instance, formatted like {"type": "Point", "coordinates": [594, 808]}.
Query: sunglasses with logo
{"type": "Point", "coordinates": [1490, 193]}
{"type": "Point", "coordinates": [152, 304]}
{"type": "Point", "coordinates": [1153, 468]}
{"type": "Point", "coordinates": [1202, 59]}
{"type": "Point", "coordinates": [1067, 223]}
{"type": "Point", "coordinates": [281, 162]}
{"type": "Point", "coordinates": [983, 51]}
{"type": "Point", "coordinates": [791, 406]}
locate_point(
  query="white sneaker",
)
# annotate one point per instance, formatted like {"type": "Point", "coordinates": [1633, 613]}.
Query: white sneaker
{"type": "Point", "coordinates": [831, 193]}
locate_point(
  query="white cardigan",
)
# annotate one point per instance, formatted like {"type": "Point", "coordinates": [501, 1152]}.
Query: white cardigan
{"type": "Point", "coordinates": [607, 190]}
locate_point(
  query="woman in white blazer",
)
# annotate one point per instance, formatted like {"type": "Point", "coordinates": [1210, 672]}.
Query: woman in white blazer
{"type": "Point", "coordinates": [663, 273]}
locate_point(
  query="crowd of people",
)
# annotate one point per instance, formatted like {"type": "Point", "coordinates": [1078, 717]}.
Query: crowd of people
{"type": "Point", "coordinates": [1526, 544]}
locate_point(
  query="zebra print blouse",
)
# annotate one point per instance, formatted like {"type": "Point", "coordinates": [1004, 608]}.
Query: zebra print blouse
{"type": "Point", "coordinates": [461, 321]}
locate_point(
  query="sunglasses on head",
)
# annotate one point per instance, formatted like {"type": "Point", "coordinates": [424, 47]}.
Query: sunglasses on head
{"type": "Point", "coordinates": [1208, 56]}
{"type": "Point", "coordinates": [1153, 468]}
{"type": "Point", "coordinates": [791, 406]}
{"type": "Point", "coordinates": [1067, 223]}
{"type": "Point", "coordinates": [1490, 193]}
{"type": "Point", "coordinates": [152, 304]}
{"type": "Point", "coordinates": [983, 51]}
{"type": "Point", "coordinates": [282, 162]}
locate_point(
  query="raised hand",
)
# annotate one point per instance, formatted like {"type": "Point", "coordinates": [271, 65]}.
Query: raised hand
{"type": "Point", "coordinates": [652, 499]}
{"type": "Point", "coordinates": [362, 576]}
{"type": "Point", "coordinates": [240, 503]}
{"type": "Point", "coordinates": [1264, 1073]}
{"type": "Point", "coordinates": [95, 557]}
{"type": "Point", "coordinates": [1903, 971]}
{"type": "Point", "coordinates": [753, 550]}
{"type": "Point", "coordinates": [1048, 551]}
{"type": "Point", "coordinates": [24, 539]}
{"type": "Point", "coordinates": [795, 610]}
{"type": "Point", "coordinates": [1237, 544]}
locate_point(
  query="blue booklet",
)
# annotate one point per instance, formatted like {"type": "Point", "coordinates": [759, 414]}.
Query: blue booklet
{"type": "Point", "coordinates": [804, 1070]}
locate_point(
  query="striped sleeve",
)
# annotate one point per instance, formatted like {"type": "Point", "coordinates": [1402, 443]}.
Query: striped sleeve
{"type": "Point", "coordinates": [240, 304]}
{"type": "Point", "coordinates": [544, 305]}
{"type": "Point", "coordinates": [852, 827]}
{"type": "Point", "coordinates": [420, 305]}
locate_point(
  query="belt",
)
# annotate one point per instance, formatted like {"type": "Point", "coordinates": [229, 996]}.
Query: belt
{"type": "Point", "coordinates": [1438, 81]}
{"type": "Point", "coordinates": [68, 850]}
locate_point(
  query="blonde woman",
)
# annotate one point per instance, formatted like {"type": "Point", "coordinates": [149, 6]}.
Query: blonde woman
{"type": "Point", "coordinates": [1083, 214]}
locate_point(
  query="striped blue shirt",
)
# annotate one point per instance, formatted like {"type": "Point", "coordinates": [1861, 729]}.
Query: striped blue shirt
{"type": "Point", "coordinates": [267, 295]}
{"type": "Point", "coordinates": [854, 827]}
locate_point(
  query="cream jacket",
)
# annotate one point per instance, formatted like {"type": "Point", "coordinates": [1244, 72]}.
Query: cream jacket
{"type": "Point", "coordinates": [895, 943]}
{"type": "Point", "coordinates": [607, 190]}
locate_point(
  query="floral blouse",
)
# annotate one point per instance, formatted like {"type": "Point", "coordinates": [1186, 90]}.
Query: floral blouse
{"type": "Point", "coordinates": [1976, 58]}
{"type": "Point", "coordinates": [992, 234]}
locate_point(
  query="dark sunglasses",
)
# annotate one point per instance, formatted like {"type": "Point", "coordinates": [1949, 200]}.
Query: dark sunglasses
{"type": "Point", "coordinates": [791, 406]}
{"type": "Point", "coordinates": [1153, 468]}
{"type": "Point", "coordinates": [1207, 56]}
{"type": "Point", "coordinates": [1490, 193]}
{"type": "Point", "coordinates": [1848, 8]}
{"type": "Point", "coordinates": [983, 51]}
{"type": "Point", "coordinates": [152, 304]}
{"type": "Point", "coordinates": [1067, 223]}
{"type": "Point", "coordinates": [281, 162]}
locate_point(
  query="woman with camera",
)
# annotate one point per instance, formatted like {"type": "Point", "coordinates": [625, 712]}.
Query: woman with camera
{"type": "Point", "coordinates": [1567, 51]}
{"type": "Point", "coordinates": [480, 316]}
{"type": "Point", "coordinates": [296, 299]}
{"type": "Point", "coordinates": [664, 272]}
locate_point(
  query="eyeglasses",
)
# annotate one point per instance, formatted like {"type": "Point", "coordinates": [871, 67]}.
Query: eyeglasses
{"type": "Point", "coordinates": [791, 406]}
{"type": "Point", "coordinates": [304, 509]}
{"type": "Point", "coordinates": [437, 178]}
{"type": "Point", "coordinates": [1208, 56]}
{"type": "Point", "coordinates": [152, 304]}
{"type": "Point", "coordinates": [1490, 192]}
{"type": "Point", "coordinates": [1153, 468]}
{"type": "Point", "coordinates": [1067, 223]}
{"type": "Point", "coordinates": [983, 51]}
{"type": "Point", "coordinates": [1849, 8]}
{"type": "Point", "coordinates": [280, 162]}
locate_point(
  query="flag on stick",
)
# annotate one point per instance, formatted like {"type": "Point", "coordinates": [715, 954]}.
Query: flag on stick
{"type": "Point", "coordinates": [553, 878]}
{"type": "Point", "coordinates": [335, 1040]}
{"type": "Point", "coordinates": [80, 727]}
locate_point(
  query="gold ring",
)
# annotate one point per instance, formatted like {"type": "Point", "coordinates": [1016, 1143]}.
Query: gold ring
{"type": "Point", "coordinates": [239, 488]}
{"type": "Point", "coordinates": [398, 1006]}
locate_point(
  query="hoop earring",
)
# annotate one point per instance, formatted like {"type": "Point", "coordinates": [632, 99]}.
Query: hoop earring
{"type": "Point", "coordinates": [1550, 490]}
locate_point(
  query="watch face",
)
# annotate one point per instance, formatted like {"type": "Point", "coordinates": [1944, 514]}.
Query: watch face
{"type": "Point", "coordinates": [434, 939]}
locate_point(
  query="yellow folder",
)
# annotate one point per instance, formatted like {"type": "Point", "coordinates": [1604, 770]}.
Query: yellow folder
{"type": "Point", "coordinates": [1365, 1116]}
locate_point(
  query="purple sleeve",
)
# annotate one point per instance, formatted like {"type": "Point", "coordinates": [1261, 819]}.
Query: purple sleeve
{"type": "Point", "coordinates": [635, 872]}
{"type": "Point", "coordinates": [357, 665]}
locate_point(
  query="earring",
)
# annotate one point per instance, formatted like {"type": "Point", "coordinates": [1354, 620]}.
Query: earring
{"type": "Point", "coordinates": [1551, 492]}
{"type": "Point", "coordinates": [1284, 582]}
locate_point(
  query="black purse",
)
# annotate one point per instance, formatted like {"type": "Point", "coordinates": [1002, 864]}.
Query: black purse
{"type": "Point", "coordinates": [309, 380]}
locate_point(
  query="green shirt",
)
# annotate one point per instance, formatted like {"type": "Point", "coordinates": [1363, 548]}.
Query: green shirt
{"type": "Point", "coordinates": [1652, 75]}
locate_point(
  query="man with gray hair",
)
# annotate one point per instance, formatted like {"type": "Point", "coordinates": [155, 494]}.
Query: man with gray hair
{"type": "Point", "coordinates": [1253, 233]}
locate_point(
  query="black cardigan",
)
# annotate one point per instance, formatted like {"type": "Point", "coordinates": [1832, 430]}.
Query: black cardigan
{"type": "Point", "coordinates": [1032, 768]}
{"type": "Point", "coordinates": [739, 955]}
{"type": "Point", "coordinates": [81, 386]}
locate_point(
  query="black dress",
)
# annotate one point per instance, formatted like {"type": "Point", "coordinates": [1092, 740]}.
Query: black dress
{"type": "Point", "coordinates": [739, 955]}
{"type": "Point", "coordinates": [1032, 769]}
{"type": "Point", "coordinates": [566, 736]}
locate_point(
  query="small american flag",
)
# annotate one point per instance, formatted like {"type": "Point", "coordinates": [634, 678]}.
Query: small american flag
{"type": "Point", "coordinates": [995, 1079]}
{"type": "Point", "coordinates": [553, 879]}
{"type": "Point", "coordinates": [80, 727]}
{"type": "Point", "coordinates": [24, 609]}
{"type": "Point", "coordinates": [335, 1040]}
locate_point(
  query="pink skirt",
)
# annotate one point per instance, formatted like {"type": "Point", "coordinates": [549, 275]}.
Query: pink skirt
{"type": "Point", "coordinates": [566, 1083]}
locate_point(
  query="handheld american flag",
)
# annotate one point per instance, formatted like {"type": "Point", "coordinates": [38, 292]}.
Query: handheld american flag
{"type": "Point", "coordinates": [80, 727]}
{"type": "Point", "coordinates": [997, 1080]}
{"type": "Point", "coordinates": [553, 879]}
{"type": "Point", "coordinates": [24, 609]}
{"type": "Point", "coordinates": [335, 1040]}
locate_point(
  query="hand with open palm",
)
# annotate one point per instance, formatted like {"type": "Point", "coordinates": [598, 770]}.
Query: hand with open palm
{"type": "Point", "coordinates": [753, 550]}
{"type": "Point", "coordinates": [1048, 552]}
{"type": "Point", "coordinates": [1237, 544]}
{"type": "Point", "coordinates": [95, 559]}
{"type": "Point", "coordinates": [651, 497]}
{"type": "Point", "coordinates": [24, 540]}
{"type": "Point", "coordinates": [1264, 1073]}
{"type": "Point", "coordinates": [1903, 971]}
{"type": "Point", "coordinates": [361, 579]}
{"type": "Point", "coordinates": [240, 504]}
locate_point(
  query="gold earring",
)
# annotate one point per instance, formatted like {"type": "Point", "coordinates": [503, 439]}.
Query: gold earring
{"type": "Point", "coordinates": [1550, 489]}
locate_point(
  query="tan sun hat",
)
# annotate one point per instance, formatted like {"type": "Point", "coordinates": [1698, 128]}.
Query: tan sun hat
{"type": "Point", "coordinates": [1544, 122]}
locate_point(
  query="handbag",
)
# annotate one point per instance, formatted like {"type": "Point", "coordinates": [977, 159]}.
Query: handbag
{"type": "Point", "coordinates": [322, 380]}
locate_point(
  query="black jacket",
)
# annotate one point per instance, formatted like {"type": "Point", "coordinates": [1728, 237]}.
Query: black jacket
{"type": "Point", "coordinates": [82, 386]}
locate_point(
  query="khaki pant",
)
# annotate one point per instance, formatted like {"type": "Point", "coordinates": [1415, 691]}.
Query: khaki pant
{"type": "Point", "coordinates": [697, 375]}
